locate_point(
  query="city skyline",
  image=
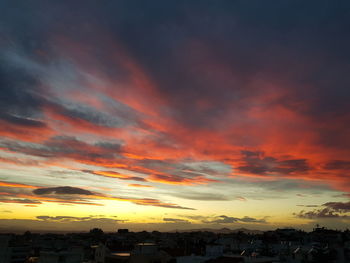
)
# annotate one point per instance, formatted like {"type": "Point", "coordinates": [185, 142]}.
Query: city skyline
{"type": "Point", "coordinates": [168, 115]}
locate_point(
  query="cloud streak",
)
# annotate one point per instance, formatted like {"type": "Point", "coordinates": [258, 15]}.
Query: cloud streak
{"type": "Point", "coordinates": [72, 195]}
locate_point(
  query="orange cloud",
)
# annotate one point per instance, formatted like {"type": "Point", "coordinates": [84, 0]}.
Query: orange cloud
{"type": "Point", "coordinates": [258, 121]}
{"type": "Point", "coordinates": [25, 133]}
{"type": "Point", "coordinates": [117, 175]}
{"type": "Point", "coordinates": [17, 185]}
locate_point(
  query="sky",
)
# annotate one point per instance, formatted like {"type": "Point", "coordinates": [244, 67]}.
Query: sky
{"type": "Point", "coordinates": [165, 115]}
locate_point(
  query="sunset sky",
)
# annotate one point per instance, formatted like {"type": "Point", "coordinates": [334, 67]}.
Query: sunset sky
{"type": "Point", "coordinates": [165, 115]}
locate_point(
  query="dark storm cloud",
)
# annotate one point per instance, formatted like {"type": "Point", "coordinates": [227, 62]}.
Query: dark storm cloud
{"type": "Point", "coordinates": [65, 190]}
{"type": "Point", "coordinates": [318, 33]}
{"type": "Point", "coordinates": [330, 210]}
{"type": "Point", "coordinates": [322, 213]}
{"type": "Point", "coordinates": [274, 27]}
{"type": "Point", "coordinates": [338, 206]}
{"type": "Point", "coordinates": [257, 163]}
{"type": "Point", "coordinates": [221, 36]}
